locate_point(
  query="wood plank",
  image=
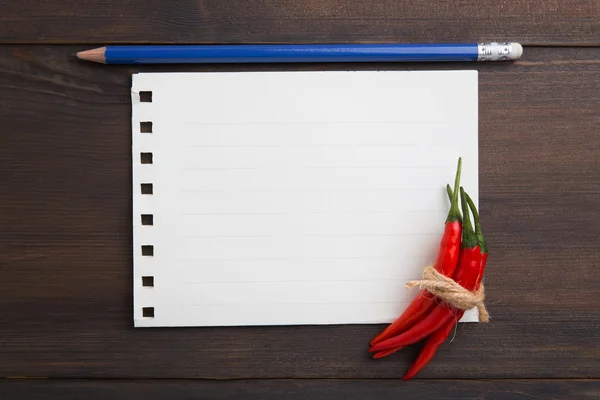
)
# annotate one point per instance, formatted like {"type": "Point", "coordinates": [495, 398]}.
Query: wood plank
{"type": "Point", "coordinates": [319, 389]}
{"type": "Point", "coordinates": [65, 212]}
{"type": "Point", "coordinates": [574, 22]}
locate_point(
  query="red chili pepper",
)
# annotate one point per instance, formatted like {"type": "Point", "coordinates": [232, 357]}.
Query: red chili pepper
{"type": "Point", "coordinates": [385, 353]}
{"type": "Point", "coordinates": [467, 275]}
{"type": "Point", "coordinates": [438, 337]}
{"type": "Point", "coordinates": [430, 348]}
{"type": "Point", "coordinates": [445, 263]}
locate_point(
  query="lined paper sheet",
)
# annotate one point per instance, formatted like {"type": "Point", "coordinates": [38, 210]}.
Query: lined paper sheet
{"type": "Point", "coordinates": [288, 198]}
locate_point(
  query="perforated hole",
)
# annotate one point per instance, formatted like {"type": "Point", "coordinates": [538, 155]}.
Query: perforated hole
{"type": "Point", "coordinates": [147, 219]}
{"type": "Point", "coordinates": [146, 127]}
{"type": "Point", "coordinates": [146, 97]}
{"type": "Point", "coordinates": [146, 158]}
{"type": "Point", "coordinates": [148, 312]}
{"type": "Point", "coordinates": [148, 281]}
{"type": "Point", "coordinates": [147, 188]}
{"type": "Point", "coordinates": [147, 250]}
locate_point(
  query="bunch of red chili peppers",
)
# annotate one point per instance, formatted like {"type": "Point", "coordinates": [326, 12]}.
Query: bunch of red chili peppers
{"type": "Point", "coordinates": [462, 256]}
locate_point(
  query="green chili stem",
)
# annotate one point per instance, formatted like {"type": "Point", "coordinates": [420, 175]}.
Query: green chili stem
{"type": "Point", "coordinates": [454, 213]}
{"type": "Point", "coordinates": [478, 231]}
{"type": "Point", "coordinates": [469, 240]}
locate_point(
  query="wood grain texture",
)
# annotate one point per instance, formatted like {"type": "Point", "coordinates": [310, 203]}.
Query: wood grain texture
{"type": "Point", "coordinates": [65, 242]}
{"type": "Point", "coordinates": [320, 389]}
{"type": "Point", "coordinates": [575, 22]}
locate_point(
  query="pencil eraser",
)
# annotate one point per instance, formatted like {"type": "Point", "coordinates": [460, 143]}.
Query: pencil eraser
{"type": "Point", "coordinates": [517, 51]}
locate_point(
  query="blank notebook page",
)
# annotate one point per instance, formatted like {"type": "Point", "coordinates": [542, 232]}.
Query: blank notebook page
{"type": "Point", "coordinates": [290, 198]}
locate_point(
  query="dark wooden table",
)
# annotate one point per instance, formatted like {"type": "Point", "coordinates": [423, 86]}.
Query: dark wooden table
{"type": "Point", "coordinates": [65, 207]}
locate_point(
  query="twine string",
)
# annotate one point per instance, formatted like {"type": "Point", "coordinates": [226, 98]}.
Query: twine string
{"type": "Point", "coordinates": [452, 293]}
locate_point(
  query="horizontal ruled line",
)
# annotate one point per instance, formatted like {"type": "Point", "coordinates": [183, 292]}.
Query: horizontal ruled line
{"type": "Point", "coordinates": [286, 145]}
{"type": "Point", "coordinates": [319, 214]}
{"type": "Point", "coordinates": [336, 167]}
{"type": "Point", "coordinates": [313, 190]}
{"type": "Point", "coordinates": [309, 303]}
{"type": "Point", "coordinates": [310, 235]}
{"type": "Point", "coordinates": [300, 258]}
{"type": "Point", "coordinates": [373, 122]}
{"type": "Point", "coordinates": [319, 281]}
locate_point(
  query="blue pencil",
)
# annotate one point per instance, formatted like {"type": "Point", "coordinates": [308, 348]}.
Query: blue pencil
{"type": "Point", "coordinates": [303, 53]}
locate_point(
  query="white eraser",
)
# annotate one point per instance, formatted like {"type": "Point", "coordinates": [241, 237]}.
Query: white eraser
{"type": "Point", "coordinates": [517, 51]}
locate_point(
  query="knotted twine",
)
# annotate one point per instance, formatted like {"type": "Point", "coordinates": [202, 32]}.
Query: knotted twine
{"type": "Point", "coordinates": [452, 293]}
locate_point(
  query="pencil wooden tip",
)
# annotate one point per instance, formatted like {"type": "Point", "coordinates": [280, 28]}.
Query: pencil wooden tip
{"type": "Point", "coordinates": [94, 55]}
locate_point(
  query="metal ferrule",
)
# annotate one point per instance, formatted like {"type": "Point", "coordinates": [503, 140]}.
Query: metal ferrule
{"type": "Point", "coordinates": [494, 51]}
